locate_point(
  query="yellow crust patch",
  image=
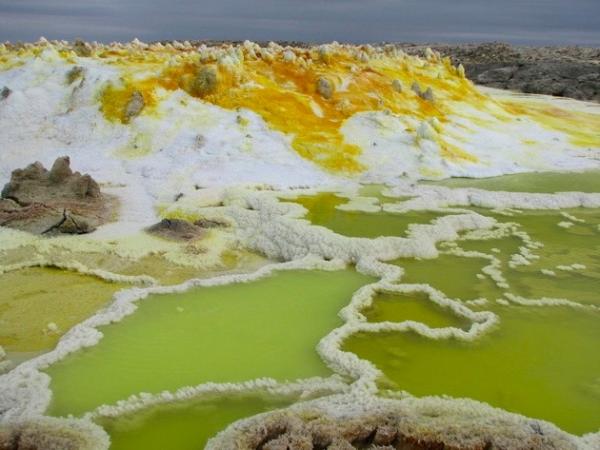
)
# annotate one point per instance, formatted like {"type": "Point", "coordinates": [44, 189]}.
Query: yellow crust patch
{"type": "Point", "coordinates": [582, 128]}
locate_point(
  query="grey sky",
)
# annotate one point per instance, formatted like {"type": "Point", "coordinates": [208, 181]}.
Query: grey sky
{"type": "Point", "coordinates": [536, 22]}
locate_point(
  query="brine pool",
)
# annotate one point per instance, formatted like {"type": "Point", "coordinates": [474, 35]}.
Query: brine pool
{"type": "Point", "coordinates": [539, 360]}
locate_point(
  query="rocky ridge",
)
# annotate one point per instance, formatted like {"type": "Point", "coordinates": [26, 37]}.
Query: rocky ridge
{"type": "Point", "coordinates": [561, 71]}
{"type": "Point", "coordinates": [53, 201]}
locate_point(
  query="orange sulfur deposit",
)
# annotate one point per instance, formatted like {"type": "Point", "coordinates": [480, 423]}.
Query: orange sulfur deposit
{"type": "Point", "coordinates": [306, 93]}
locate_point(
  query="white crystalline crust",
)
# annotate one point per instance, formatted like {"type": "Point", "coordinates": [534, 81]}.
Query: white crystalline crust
{"type": "Point", "coordinates": [304, 389]}
{"type": "Point", "coordinates": [436, 197]}
{"type": "Point", "coordinates": [276, 229]}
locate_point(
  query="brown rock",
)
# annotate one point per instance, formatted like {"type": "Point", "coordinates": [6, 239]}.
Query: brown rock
{"type": "Point", "coordinates": [56, 201]}
{"type": "Point", "coordinates": [176, 229]}
{"type": "Point", "coordinates": [385, 435]}
{"type": "Point", "coordinates": [392, 429]}
{"type": "Point", "coordinates": [61, 170]}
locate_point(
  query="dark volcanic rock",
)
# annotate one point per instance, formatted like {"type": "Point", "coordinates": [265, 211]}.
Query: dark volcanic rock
{"type": "Point", "coordinates": [565, 71]}
{"type": "Point", "coordinates": [58, 200]}
{"type": "Point", "coordinates": [4, 93]}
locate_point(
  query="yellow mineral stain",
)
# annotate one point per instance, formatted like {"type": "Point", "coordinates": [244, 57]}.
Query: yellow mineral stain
{"type": "Point", "coordinates": [582, 128]}
{"type": "Point", "coordinates": [114, 99]}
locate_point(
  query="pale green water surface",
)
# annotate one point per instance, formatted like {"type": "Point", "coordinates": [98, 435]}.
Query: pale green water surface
{"type": "Point", "coordinates": [231, 333]}
{"type": "Point", "coordinates": [322, 211]}
{"type": "Point", "coordinates": [541, 362]}
{"type": "Point", "coordinates": [187, 425]}
{"type": "Point", "coordinates": [588, 181]}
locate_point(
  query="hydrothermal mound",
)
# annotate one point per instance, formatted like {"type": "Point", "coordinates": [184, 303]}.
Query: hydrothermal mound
{"type": "Point", "coordinates": [275, 144]}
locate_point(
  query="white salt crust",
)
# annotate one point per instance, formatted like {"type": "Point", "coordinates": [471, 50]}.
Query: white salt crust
{"type": "Point", "coordinates": [546, 301]}
{"type": "Point", "coordinates": [304, 389]}
{"type": "Point", "coordinates": [435, 197]}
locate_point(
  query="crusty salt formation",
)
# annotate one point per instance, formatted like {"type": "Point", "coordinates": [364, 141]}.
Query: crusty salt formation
{"type": "Point", "coordinates": [46, 433]}
{"type": "Point", "coordinates": [344, 422]}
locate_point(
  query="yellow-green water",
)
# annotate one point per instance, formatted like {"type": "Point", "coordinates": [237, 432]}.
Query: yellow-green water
{"type": "Point", "coordinates": [322, 211]}
{"type": "Point", "coordinates": [531, 182]}
{"type": "Point", "coordinates": [579, 244]}
{"type": "Point", "coordinates": [540, 361]}
{"type": "Point", "coordinates": [415, 306]}
{"type": "Point", "coordinates": [455, 276]}
{"type": "Point", "coordinates": [34, 298]}
{"type": "Point", "coordinates": [231, 333]}
{"type": "Point", "coordinates": [186, 425]}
